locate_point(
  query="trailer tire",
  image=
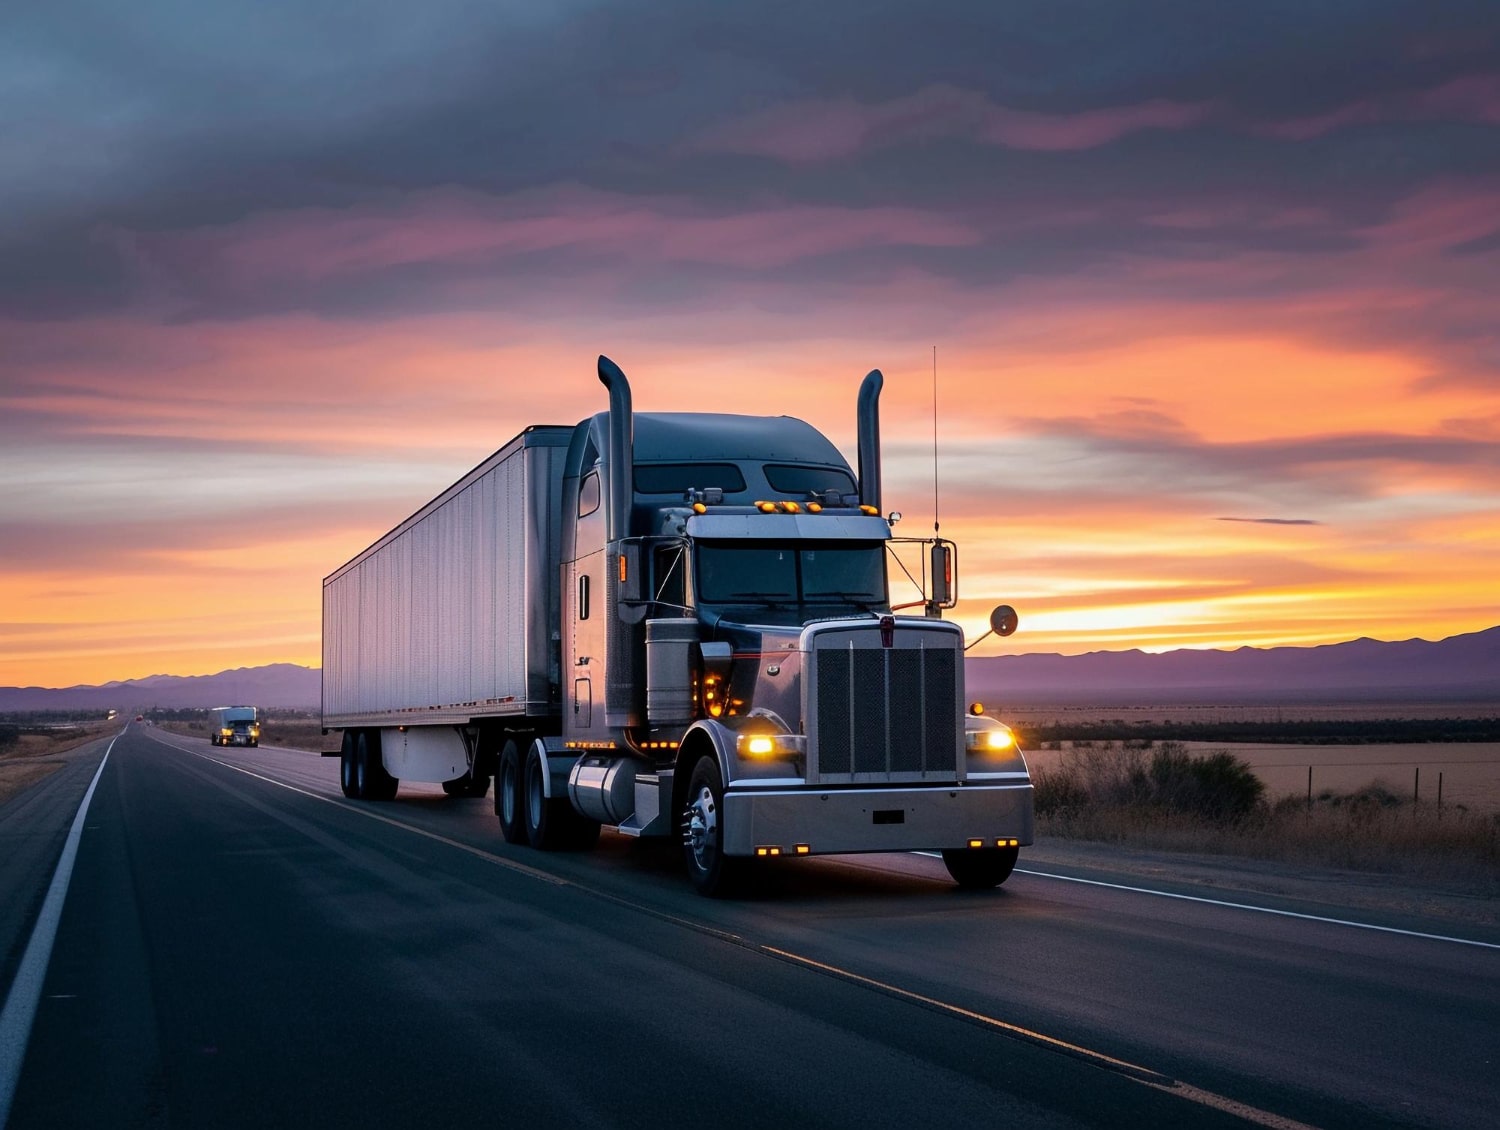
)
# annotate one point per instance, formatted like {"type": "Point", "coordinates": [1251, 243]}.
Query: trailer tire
{"type": "Point", "coordinates": [510, 794]}
{"type": "Point", "coordinates": [346, 765]}
{"type": "Point", "coordinates": [551, 822]}
{"type": "Point", "coordinates": [979, 869]}
{"type": "Point", "coordinates": [702, 825]}
{"type": "Point", "coordinates": [371, 781]}
{"type": "Point", "coordinates": [382, 784]}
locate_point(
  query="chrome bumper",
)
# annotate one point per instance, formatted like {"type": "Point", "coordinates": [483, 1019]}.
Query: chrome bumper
{"type": "Point", "coordinates": [834, 821]}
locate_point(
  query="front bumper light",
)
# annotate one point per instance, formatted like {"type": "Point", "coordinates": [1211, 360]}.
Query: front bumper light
{"type": "Point", "coordinates": [996, 739]}
{"type": "Point", "coordinates": [770, 746]}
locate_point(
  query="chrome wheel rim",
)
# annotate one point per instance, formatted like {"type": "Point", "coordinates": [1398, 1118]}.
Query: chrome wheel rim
{"type": "Point", "coordinates": [702, 831]}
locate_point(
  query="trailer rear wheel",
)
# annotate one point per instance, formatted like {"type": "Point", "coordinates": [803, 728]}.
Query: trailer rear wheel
{"type": "Point", "coordinates": [712, 872]}
{"type": "Point", "coordinates": [979, 869]}
{"type": "Point", "coordinates": [371, 781]}
{"type": "Point", "coordinates": [346, 765]}
{"type": "Point", "coordinates": [510, 794]}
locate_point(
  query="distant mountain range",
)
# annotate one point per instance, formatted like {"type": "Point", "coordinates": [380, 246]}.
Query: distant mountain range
{"type": "Point", "coordinates": [277, 685]}
{"type": "Point", "coordinates": [1459, 668]}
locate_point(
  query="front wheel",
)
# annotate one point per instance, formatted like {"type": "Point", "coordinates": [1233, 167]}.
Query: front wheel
{"type": "Point", "coordinates": [711, 871]}
{"type": "Point", "coordinates": [979, 869]}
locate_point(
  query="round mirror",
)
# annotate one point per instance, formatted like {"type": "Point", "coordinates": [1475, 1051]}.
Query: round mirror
{"type": "Point", "coordinates": [1003, 620]}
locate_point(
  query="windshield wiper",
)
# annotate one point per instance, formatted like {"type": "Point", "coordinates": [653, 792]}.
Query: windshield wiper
{"type": "Point", "coordinates": [862, 600]}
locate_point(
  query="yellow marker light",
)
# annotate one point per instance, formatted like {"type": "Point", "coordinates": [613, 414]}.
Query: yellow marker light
{"type": "Point", "coordinates": [766, 507]}
{"type": "Point", "coordinates": [976, 843]}
{"type": "Point", "coordinates": [699, 508]}
{"type": "Point", "coordinates": [622, 568]}
{"type": "Point", "coordinates": [791, 507]}
{"type": "Point", "coordinates": [803, 849]}
{"type": "Point", "coordinates": [869, 510]}
{"type": "Point", "coordinates": [760, 745]}
{"type": "Point", "coordinates": [999, 739]}
{"type": "Point", "coordinates": [815, 508]}
{"type": "Point", "coordinates": [976, 708]}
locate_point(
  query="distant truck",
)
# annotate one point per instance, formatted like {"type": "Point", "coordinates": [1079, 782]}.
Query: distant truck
{"type": "Point", "coordinates": [234, 725]}
{"type": "Point", "coordinates": [674, 624]}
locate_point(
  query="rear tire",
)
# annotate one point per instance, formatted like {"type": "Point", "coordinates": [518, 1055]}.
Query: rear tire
{"type": "Point", "coordinates": [510, 794]}
{"type": "Point", "coordinates": [372, 782]}
{"type": "Point", "coordinates": [346, 765]}
{"type": "Point", "coordinates": [979, 869]}
{"type": "Point", "coordinates": [551, 823]}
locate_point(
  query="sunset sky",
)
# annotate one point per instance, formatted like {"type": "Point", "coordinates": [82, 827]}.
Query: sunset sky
{"type": "Point", "coordinates": [1214, 291]}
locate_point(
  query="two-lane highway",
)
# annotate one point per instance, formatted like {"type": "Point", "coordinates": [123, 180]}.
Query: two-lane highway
{"type": "Point", "coordinates": [241, 945]}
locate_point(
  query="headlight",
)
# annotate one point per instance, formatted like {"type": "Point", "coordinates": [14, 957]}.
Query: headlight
{"type": "Point", "coordinates": [998, 739]}
{"type": "Point", "coordinates": [769, 745]}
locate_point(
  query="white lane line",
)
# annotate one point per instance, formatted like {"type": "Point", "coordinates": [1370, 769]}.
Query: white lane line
{"type": "Point", "coordinates": [459, 844]}
{"type": "Point", "coordinates": [26, 989]}
{"type": "Point", "coordinates": [1261, 909]}
{"type": "Point", "coordinates": [1134, 1072]}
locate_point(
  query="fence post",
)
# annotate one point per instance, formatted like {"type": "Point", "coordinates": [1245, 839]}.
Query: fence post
{"type": "Point", "coordinates": [1309, 788]}
{"type": "Point", "coordinates": [1440, 794]}
{"type": "Point", "coordinates": [1416, 779]}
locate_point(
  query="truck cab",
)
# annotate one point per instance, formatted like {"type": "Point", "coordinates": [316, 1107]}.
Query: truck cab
{"type": "Point", "coordinates": [732, 669]}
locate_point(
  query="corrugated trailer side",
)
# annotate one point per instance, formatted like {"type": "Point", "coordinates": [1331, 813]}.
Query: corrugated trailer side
{"type": "Point", "coordinates": [449, 617]}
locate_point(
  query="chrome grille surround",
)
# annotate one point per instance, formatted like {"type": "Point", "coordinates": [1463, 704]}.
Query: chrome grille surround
{"type": "Point", "coordinates": [883, 714]}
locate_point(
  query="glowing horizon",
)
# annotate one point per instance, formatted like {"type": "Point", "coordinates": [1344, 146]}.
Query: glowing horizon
{"type": "Point", "coordinates": [1217, 364]}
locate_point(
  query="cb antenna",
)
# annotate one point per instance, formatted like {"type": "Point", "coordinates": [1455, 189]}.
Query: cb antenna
{"type": "Point", "coordinates": [935, 526]}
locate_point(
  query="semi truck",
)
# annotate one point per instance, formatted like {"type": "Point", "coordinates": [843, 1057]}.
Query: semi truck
{"type": "Point", "coordinates": [233, 725]}
{"type": "Point", "coordinates": [675, 624]}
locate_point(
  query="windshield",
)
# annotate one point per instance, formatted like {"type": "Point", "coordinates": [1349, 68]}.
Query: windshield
{"type": "Point", "coordinates": [752, 572]}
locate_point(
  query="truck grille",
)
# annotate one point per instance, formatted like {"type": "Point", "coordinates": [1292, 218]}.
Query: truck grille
{"type": "Point", "coordinates": [884, 713]}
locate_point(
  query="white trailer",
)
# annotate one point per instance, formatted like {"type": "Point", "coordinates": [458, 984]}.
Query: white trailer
{"type": "Point", "coordinates": [673, 624]}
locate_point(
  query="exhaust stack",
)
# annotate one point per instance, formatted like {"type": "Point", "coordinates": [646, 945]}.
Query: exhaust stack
{"type": "Point", "coordinates": [869, 439]}
{"type": "Point", "coordinates": [621, 451]}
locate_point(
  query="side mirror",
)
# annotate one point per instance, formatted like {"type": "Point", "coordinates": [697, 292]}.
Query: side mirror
{"type": "Point", "coordinates": [943, 589]}
{"type": "Point", "coordinates": [1004, 621]}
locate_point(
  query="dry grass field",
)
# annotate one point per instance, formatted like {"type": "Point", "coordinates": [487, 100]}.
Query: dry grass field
{"type": "Point", "coordinates": [1174, 797]}
{"type": "Point", "coordinates": [35, 755]}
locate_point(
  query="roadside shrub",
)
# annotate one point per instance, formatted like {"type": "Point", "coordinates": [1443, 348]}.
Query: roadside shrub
{"type": "Point", "coordinates": [9, 735]}
{"type": "Point", "coordinates": [1057, 790]}
{"type": "Point", "coordinates": [1215, 788]}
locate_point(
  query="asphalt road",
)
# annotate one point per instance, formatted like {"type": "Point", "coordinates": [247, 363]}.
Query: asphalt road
{"type": "Point", "coordinates": [241, 946]}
